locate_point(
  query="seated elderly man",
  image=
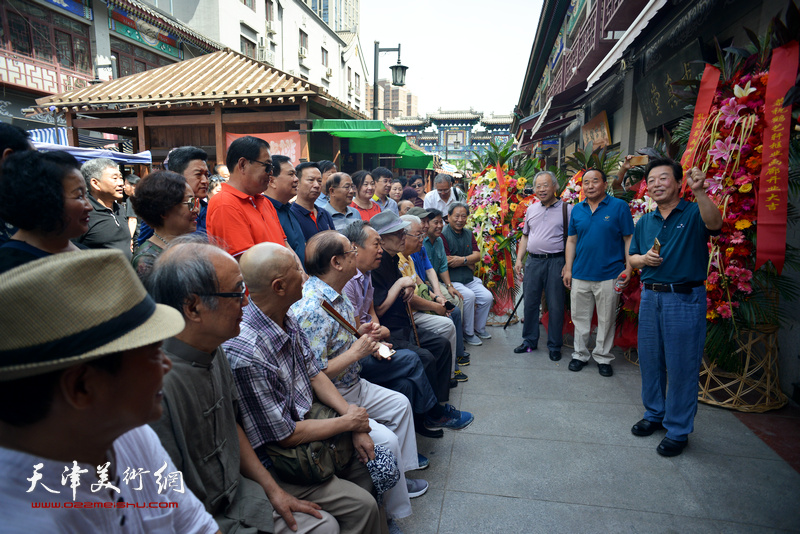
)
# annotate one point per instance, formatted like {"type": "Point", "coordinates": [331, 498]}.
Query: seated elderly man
{"type": "Point", "coordinates": [425, 271]}
{"type": "Point", "coordinates": [462, 255]}
{"type": "Point", "coordinates": [331, 263]}
{"type": "Point", "coordinates": [391, 373]}
{"type": "Point", "coordinates": [277, 379]}
{"type": "Point", "coordinates": [434, 247]}
{"type": "Point", "coordinates": [200, 424]}
{"type": "Point", "coordinates": [392, 292]}
{"type": "Point", "coordinates": [427, 307]}
{"type": "Point", "coordinates": [81, 369]}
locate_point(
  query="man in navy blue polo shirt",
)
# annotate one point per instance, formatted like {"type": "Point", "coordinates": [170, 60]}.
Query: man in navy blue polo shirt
{"type": "Point", "coordinates": [280, 190]}
{"type": "Point", "coordinates": [312, 219]}
{"type": "Point", "coordinates": [672, 314]}
{"type": "Point", "coordinates": [599, 235]}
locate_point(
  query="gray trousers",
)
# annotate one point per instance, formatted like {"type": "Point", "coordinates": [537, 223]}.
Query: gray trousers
{"type": "Point", "coordinates": [543, 275]}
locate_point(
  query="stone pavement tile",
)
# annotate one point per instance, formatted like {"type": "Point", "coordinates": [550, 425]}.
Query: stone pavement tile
{"type": "Point", "coordinates": [716, 431]}
{"type": "Point", "coordinates": [746, 490]}
{"type": "Point", "coordinates": [439, 453]}
{"type": "Point", "coordinates": [609, 476]}
{"type": "Point", "coordinates": [556, 420]}
{"type": "Point", "coordinates": [555, 384]}
{"type": "Point", "coordinates": [426, 511]}
{"type": "Point", "coordinates": [476, 513]}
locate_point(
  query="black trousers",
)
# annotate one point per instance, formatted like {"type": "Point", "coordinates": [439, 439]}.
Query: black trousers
{"type": "Point", "coordinates": [435, 354]}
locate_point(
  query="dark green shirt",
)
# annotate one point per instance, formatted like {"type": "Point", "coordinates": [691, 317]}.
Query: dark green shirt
{"type": "Point", "coordinates": [684, 244]}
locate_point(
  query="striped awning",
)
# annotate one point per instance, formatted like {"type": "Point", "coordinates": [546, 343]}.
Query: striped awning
{"type": "Point", "coordinates": [58, 136]}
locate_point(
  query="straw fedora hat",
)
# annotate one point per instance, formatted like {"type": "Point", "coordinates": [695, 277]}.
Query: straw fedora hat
{"type": "Point", "coordinates": [70, 308]}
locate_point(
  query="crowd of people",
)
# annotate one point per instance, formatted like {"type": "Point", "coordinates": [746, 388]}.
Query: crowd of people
{"type": "Point", "coordinates": [194, 327]}
{"type": "Point", "coordinates": [222, 310]}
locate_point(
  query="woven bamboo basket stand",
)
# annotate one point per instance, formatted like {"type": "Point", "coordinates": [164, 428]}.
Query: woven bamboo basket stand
{"type": "Point", "coordinates": [757, 387]}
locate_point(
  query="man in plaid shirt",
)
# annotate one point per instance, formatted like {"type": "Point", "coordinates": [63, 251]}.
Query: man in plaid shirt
{"type": "Point", "coordinates": [275, 375]}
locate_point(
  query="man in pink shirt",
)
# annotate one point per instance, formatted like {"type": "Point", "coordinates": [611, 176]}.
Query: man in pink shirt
{"type": "Point", "coordinates": [543, 238]}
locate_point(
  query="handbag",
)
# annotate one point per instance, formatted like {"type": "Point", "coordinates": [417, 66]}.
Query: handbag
{"type": "Point", "coordinates": [316, 461]}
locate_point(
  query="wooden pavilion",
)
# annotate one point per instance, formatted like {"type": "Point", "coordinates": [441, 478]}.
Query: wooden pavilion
{"type": "Point", "coordinates": [197, 102]}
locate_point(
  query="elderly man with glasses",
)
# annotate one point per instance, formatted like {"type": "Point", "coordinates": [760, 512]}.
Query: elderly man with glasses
{"type": "Point", "coordinates": [239, 215]}
{"type": "Point", "coordinates": [443, 194]}
{"type": "Point", "coordinates": [341, 191]}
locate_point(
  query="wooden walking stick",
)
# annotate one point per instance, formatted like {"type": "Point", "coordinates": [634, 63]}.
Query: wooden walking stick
{"type": "Point", "coordinates": [413, 326]}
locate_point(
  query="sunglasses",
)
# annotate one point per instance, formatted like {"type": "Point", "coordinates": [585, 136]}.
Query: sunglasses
{"type": "Point", "coordinates": [267, 164]}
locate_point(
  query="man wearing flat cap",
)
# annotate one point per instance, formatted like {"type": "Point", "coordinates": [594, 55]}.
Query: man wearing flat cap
{"type": "Point", "coordinates": [81, 369]}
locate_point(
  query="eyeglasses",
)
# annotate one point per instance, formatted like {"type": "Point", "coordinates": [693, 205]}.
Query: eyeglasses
{"type": "Point", "coordinates": [193, 203]}
{"type": "Point", "coordinates": [353, 248]}
{"type": "Point", "coordinates": [233, 295]}
{"type": "Point", "coordinates": [348, 187]}
{"type": "Point", "coordinates": [418, 185]}
{"type": "Point", "coordinates": [267, 164]}
{"type": "Point", "coordinates": [416, 236]}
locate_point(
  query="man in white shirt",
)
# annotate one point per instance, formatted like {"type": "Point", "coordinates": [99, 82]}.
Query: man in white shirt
{"type": "Point", "coordinates": [442, 195]}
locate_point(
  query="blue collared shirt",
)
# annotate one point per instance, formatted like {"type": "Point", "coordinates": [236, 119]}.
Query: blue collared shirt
{"type": "Point", "coordinates": [291, 227]}
{"type": "Point", "coordinates": [600, 252]}
{"type": "Point", "coordinates": [340, 220]}
{"type": "Point", "coordinates": [307, 224]}
{"type": "Point", "coordinates": [684, 244]}
{"type": "Point", "coordinates": [421, 263]}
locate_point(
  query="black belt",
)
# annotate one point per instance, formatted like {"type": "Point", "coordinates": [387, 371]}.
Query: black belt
{"type": "Point", "coordinates": [545, 256]}
{"type": "Point", "coordinates": [674, 288]}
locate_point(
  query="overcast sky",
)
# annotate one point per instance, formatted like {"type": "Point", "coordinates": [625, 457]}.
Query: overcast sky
{"type": "Point", "coordinates": [460, 54]}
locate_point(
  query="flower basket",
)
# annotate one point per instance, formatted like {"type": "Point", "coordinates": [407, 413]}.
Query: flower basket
{"type": "Point", "coordinates": [755, 388]}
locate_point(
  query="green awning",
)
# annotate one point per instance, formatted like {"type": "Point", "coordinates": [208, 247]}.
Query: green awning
{"type": "Point", "coordinates": [374, 137]}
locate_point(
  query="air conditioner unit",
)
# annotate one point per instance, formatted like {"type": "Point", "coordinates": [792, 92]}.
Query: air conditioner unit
{"type": "Point", "coordinates": [261, 54]}
{"type": "Point", "coordinates": [329, 73]}
{"type": "Point", "coordinates": [270, 30]}
{"type": "Point", "coordinates": [302, 52]}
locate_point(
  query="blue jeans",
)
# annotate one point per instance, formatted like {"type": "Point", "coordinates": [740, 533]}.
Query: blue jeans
{"type": "Point", "coordinates": [672, 334]}
{"type": "Point", "coordinates": [543, 275]}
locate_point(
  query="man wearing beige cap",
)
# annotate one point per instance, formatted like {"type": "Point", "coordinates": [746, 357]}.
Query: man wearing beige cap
{"type": "Point", "coordinates": [81, 368]}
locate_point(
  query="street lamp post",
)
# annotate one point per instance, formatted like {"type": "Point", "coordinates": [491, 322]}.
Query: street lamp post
{"type": "Point", "coordinates": [398, 75]}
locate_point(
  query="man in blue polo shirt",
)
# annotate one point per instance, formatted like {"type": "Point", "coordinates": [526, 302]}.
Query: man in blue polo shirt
{"type": "Point", "coordinates": [673, 303]}
{"type": "Point", "coordinates": [598, 239]}
{"type": "Point", "coordinates": [312, 219]}
{"type": "Point", "coordinates": [280, 190]}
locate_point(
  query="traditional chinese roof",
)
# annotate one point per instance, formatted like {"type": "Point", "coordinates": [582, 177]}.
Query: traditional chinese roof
{"type": "Point", "coordinates": [224, 77]}
{"type": "Point", "coordinates": [469, 115]}
{"type": "Point", "coordinates": [347, 37]}
{"type": "Point", "coordinates": [481, 136]}
{"type": "Point", "coordinates": [408, 121]}
{"type": "Point", "coordinates": [428, 136]}
{"type": "Point", "coordinates": [167, 23]}
{"type": "Point", "coordinates": [498, 119]}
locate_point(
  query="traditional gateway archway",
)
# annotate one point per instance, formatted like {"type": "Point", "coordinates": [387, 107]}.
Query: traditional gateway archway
{"type": "Point", "coordinates": [197, 102]}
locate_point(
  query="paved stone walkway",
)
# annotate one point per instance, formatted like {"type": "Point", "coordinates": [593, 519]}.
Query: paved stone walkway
{"type": "Point", "coordinates": [551, 451]}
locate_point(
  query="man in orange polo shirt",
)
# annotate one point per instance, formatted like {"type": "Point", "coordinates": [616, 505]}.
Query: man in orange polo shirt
{"type": "Point", "coordinates": [239, 215]}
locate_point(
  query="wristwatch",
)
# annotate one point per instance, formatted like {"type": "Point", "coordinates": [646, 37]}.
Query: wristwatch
{"type": "Point", "coordinates": [465, 260]}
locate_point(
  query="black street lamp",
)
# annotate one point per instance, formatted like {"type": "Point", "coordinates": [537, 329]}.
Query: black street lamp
{"type": "Point", "coordinates": [398, 75]}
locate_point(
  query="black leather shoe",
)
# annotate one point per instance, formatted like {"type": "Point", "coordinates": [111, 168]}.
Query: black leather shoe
{"type": "Point", "coordinates": [424, 432]}
{"type": "Point", "coordinates": [524, 348]}
{"type": "Point", "coordinates": [646, 427]}
{"type": "Point", "coordinates": [670, 447]}
{"type": "Point", "coordinates": [453, 383]}
{"type": "Point", "coordinates": [555, 355]}
{"type": "Point", "coordinates": [576, 365]}
{"type": "Point", "coordinates": [605, 369]}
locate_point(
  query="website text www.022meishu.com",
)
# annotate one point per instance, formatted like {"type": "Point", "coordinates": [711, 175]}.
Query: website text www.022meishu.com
{"type": "Point", "coordinates": [106, 504]}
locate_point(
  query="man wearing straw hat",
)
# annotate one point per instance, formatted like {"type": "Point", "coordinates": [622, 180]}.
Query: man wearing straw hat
{"type": "Point", "coordinates": [81, 369]}
{"type": "Point", "coordinates": [670, 246]}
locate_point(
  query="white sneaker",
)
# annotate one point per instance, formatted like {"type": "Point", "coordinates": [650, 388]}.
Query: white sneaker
{"type": "Point", "coordinates": [483, 335]}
